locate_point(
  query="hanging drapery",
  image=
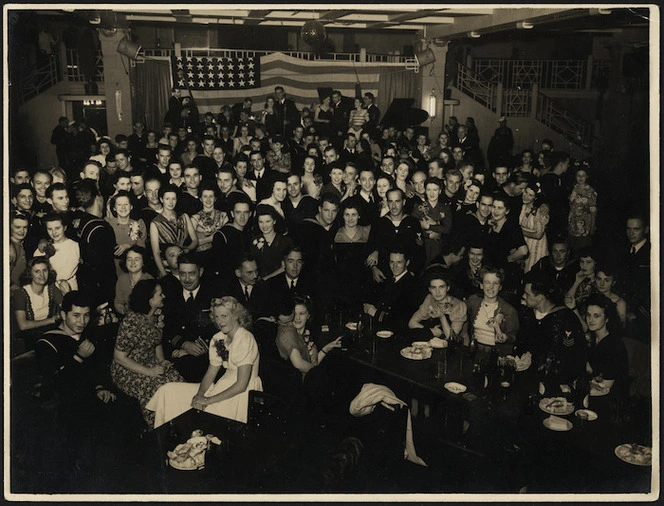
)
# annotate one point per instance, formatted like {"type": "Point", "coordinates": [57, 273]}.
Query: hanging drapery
{"type": "Point", "coordinates": [151, 89]}
{"type": "Point", "coordinates": [397, 82]}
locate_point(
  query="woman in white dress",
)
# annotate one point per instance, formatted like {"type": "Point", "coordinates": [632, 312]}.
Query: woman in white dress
{"type": "Point", "coordinates": [235, 348]}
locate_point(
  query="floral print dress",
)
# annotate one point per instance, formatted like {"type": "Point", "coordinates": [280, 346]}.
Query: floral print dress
{"type": "Point", "coordinates": [138, 337]}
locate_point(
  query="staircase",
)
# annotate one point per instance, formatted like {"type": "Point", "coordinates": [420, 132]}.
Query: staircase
{"type": "Point", "coordinates": [38, 79]}
{"type": "Point", "coordinates": [526, 103]}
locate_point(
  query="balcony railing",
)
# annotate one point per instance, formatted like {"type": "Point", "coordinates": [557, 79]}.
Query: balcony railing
{"type": "Point", "coordinates": [303, 55]}
{"type": "Point", "coordinates": [520, 102]}
{"type": "Point", "coordinates": [547, 74]}
{"type": "Point", "coordinates": [566, 123]}
{"type": "Point", "coordinates": [476, 87]}
{"type": "Point", "coordinates": [73, 69]}
{"type": "Point", "coordinates": [39, 79]}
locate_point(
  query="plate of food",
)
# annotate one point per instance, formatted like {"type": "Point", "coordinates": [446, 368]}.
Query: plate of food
{"type": "Point", "coordinates": [556, 406]}
{"type": "Point", "coordinates": [598, 389]}
{"type": "Point", "coordinates": [455, 388]}
{"type": "Point", "coordinates": [557, 424]}
{"type": "Point", "coordinates": [421, 344]}
{"type": "Point", "coordinates": [190, 456]}
{"type": "Point", "coordinates": [586, 414]}
{"type": "Point", "coordinates": [384, 334]}
{"type": "Point", "coordinates": [635, 454]}
{"type": "Point", "coordinates": [437, 342]}
{"type": "Point", "coordinates": [416, 353]}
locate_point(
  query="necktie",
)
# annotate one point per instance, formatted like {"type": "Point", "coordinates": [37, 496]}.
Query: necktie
{"type": "Point", "coordinates": [246, 292]}
{"type": "Point", "coordinates": [190, 299]}
{"type": "Point", "coordinates": [292, 285]}
{"type": "Point", "coordinates": [371, 199]}
{"type": "Point", "coordinates": [632, 250]}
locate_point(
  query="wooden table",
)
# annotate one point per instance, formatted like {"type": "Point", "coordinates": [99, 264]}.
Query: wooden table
{"type": "Point", "coordinates": [506, 430]}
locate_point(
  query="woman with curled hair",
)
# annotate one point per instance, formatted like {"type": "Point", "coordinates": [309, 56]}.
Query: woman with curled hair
{"type": "Point", "coordinates": [607, 357]}
{"type": "Point", "coordinates": [295, 341]}
{"type": "Point", "coordinates": [37, 303]}
{"type": "Point", "coordinates": [131, 263]}
{"type": "Point", "coordinates": [139, 367]}
{"type": "Point", "coordinates": [533, 220]}
{"type": "Point", "coordinates": [234, 348]}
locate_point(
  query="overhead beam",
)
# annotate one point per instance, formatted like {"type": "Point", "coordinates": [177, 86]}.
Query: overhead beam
{"type": "Point", "coordinates": [332, 15]}
{"type": "Point", "coordinates": [406, 16]}
{"type": "Point", "coordinates": [501, 19]}
{"type": "Point", "coordinates": [256, 17]}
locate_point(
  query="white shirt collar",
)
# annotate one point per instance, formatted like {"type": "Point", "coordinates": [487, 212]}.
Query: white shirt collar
{"type": "Point", "coordinates": [397, 278]}
{"type": "Point", "coordinates": [185, 292]}
{"type": "Point", "coordinates": [639, 245]}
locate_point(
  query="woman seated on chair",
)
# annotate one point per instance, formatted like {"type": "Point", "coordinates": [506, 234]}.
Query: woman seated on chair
{"type": "Point", "coordinates": [37, 303]}
{"type": "Point", "coordinates": [607, 357]}
{"type": "Point", "coordinates": [295, 341]}
{"type": "Point", "coordinates": [440, 314]}
{"type": "Point", "coordinates": [234, 348]}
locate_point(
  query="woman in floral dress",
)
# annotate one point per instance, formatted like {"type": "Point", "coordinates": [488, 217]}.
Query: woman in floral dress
{"type": "Point", "coordinates": [128, 232]}
{"type": "Point", "coordinates": [207, 222]}
{"type": "Point", "coordinates": [533, 220]}
{"type": "Point", "coordinates": [139, 367]}
{"type": "Point", "coordinates": [582, 212]}
{"type": "Point", "coordinates": [234, 348]}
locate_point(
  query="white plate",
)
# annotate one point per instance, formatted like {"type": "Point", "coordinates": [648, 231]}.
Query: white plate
{"type": "Point", "coordinates": [591, 414]}
{"type": "Point", "coordinates": [351, 326]}
{"type": "Point", "coordinates": [643, 456]}
{"type": "Point", "coordinates": [410, 353]}
{"type": "Point", "coordinates": [187, 465]}
{"type": "Point", "coordinates": [455, 388]}
{"type": "Point", "coordinates": [384, 333]}
{"type": "Point", "coordinates": [548, 423]}
{"type": "Point", "coordinates": [595, 392]}
{"type": "Point", "coordinates": [565, 409]}
{"type": "Point", "coordinates": [197, 461]}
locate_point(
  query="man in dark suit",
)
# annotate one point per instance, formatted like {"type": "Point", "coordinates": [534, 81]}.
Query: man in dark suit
{"type": "Point", "coordinates": [392, 303]}
{"type": "Point", "coordinates": [374, 113]}
{"type": "Point", "coordinates": [291, 282]}
{"type": "Point", "coordinates": [264, 178]}
{"type": "Point", "coordinates": [287, 114]}
{"type": "Point", "coordinates": [341, 107]}
{"type": "Point", "coordinates": [636, 276]}
{"type": "Point", "coordinates": [255, 295]}
{"type": "Point", "coordinates": [187, 326]}
{"type": "Point", "coordinates": [365, 200]}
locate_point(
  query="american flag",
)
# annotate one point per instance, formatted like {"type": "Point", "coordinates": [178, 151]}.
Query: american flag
{"type": "Point", "coordinates": [300, 78]}
{"type": "Point", "coordinates": [210, 73]}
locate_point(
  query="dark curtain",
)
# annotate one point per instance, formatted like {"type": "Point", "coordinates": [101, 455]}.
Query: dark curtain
{"type": "Point", "coordinates": [151, 91]}
{"type": "Point", "coordinates": [397, 82]}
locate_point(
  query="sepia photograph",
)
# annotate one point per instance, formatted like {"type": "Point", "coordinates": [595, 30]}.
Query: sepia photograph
{"type": "Point", "coordinates": [306, 252]}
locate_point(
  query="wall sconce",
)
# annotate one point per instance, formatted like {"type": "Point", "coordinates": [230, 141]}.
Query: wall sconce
{"type": "Point", "coordinates": [118, 101]}
{"type": "Point", "coordinates": [432, 104]}
{"type": "Point", "coordinates": [524, 25]}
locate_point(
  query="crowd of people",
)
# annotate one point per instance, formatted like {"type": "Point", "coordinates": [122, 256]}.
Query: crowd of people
{"type": "Point", "coordinates": [212, 244]}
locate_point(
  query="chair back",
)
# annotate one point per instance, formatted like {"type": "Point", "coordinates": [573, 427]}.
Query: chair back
{"type": "Point", "coordinates": [269, 412]}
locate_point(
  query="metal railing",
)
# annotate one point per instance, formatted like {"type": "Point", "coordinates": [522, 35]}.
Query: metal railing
{"type": "Point", "coordinates": [39, 79]}
{"type": "Point", "coordinates": [476, 87]}
{"type": "Point", "coordinates": [565, 122]}
{"type": "Point", "coordinates": [547, 74]}
{"type": "Point", "coordinates": [517, 103]}
{"type": "Point", "coordinates": [303, 55]}
{"type": "Point", "coordinates": [520, 102]}
{"type": "Point", "coordinates": [73, 69]}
